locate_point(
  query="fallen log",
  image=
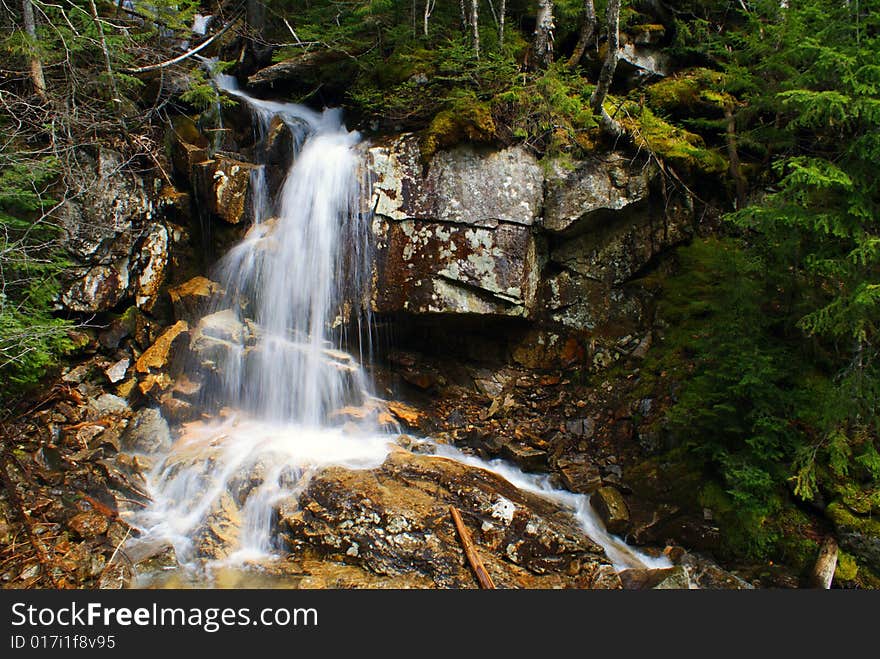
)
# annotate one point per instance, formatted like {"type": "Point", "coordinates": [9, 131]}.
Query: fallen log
{"type": "Point", "coordinates": [823, 570]}
{"type": "Point", "coordinates": [470, 551]}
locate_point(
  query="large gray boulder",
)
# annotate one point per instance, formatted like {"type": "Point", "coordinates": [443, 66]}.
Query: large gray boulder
{"type": "Point", "coordinates": [490, 231]}
{"type": "Point", "coordinates": [588, 192]}
{"type": "Point", "coordinates": [457, 236]}
{"type": "Point", "coordinates": [465, 185]}
{"type": "Point", "coordinates": [115, 237]}
{"type": "Point", "coordinates": [148, 432]}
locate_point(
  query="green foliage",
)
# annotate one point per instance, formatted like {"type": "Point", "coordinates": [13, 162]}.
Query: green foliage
{"type": "Point", "coordinates": [735, 404]}
{"type": "Point", "coordinates": [820, 221]}
{"type": "Point", "coordinates": [202, 93]}
{"type": "Point", "coordinates": [30, 261]}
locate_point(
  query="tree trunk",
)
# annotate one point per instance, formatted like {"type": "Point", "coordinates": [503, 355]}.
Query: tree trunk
{"type": "Point", "coordinates": [606, 75]}
{"type": "Point", "coordinates": [106, 52]}
{"type": "Point", "coordinates": [588, 29]}
{"type": "Point", "coordinates": [429, 7]}
{"type": "Point", "coordinates": [823, 571]}
{"type": "Point", "coordinates": [733, 157]}
{"type": "Point", "coordinates": [30, 27]}
{"type": "Point", "coordinates": [543, 44]}
{"type": "Point", "coordinates": [256, 18]}
{"type": "Point", "coordinates": [501, 12]}
{"type": "Point", "coordinates": [475, 25]}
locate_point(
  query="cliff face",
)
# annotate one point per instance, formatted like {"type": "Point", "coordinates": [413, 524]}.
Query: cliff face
{"type": "Point", "coordinates": [481, 231]}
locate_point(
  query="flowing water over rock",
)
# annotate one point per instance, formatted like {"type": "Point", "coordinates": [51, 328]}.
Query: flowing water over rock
{"type": "Point", "coordinates": [285, 399]}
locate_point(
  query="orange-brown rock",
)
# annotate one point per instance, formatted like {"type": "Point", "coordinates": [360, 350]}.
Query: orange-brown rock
{"type": "Point", "coordinates": [88, 524]}
{"type": "Point", "coordinates": [156, 356]}
{"type": "Point", "coordinates": [406, 414]}
{"type": "Point", "coordinates": [394, 521]}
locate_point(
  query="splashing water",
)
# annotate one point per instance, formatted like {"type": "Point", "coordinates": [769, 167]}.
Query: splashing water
{"type": "Point", "coordinates": [291, 287]}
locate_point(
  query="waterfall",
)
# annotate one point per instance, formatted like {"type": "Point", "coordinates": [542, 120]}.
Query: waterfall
{"type": "Point", "coordinates": [291, 287]}
{"type": "Point", "coordinates": [298, 274]}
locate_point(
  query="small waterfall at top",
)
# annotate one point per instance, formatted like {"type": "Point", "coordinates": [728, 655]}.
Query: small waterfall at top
{"type": "Point", "coordinates": [277, 341]}
{"type": "Point", "coordinates": [298, 274]}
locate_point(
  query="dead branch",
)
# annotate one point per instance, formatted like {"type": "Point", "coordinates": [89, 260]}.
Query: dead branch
{"type": "Point", "coordinates": [187, 54]}
{"type": "Point", "coordinates": [471, 551]}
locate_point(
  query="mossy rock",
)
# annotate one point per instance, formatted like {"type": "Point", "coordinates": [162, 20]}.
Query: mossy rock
{"type": "Point", "coordinates": [468, 120]}
{"type": "Point", "coordinates": [859, 535]}
{"type": "Point", "coordinates": [401, 67]}
{"type": "Point", "coordinates": [847, 568]}
{"type": "Point", "coordinates": [859, 500]}
{"type": "Point", "coordinates": [845, 520]}
{"type": "Point", "coordinates": [867, 579]}
{"type": "Point", "coordinates": [676, 145]}
{"type": "Point", "coordinates": [694, 90]}
{"type": "Point", "coordinates": [646, 33]}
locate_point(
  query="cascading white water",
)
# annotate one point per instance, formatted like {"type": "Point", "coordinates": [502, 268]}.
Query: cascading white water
{"type": "Point", "coordinates": [299, 275]}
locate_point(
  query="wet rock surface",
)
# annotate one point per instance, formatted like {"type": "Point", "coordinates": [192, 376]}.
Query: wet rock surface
{"type": "Point", "coordinates": [148, 432]}
{"type": "Point", "coordinates": [609, 503]}
{"type": "Point", "coordinates": [395, 521]}
{"type": "Point", "coordinates": [223, 184]}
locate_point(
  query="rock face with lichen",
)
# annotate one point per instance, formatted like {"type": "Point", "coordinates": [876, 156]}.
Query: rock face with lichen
{"type": "Point", "coordinates": [115, 236]}
{"type": "Point", "coordinates": [223, 184]}
{"type": "Point", "coordinates": [457, 237]}
{"type": "Point", "coordinates": [482, 231]}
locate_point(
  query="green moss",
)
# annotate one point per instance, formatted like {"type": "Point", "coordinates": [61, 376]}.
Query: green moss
{"type": "Point", "coordinates": [859, 500]}
{"type": "Point", "coordinates": [867, 579]}
{"type": "Point", "coordinates": [843, 518]}
{"type": "Point", "coordinates": [672, 478]}
{"type": "Point", "coordinates": [468, 120]}
{"type": "Point", "coordinates": [847, 568]}
{"type": "Point", "coordinates": [671, 143]}
{"type": "Point", "coordinates": [690, 91]}
{"type": "Point", "coordinates": [713, 497]}
{"type": "Point", "coordinates": [650, 28]}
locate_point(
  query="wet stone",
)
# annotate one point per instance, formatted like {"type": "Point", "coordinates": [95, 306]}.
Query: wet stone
{"type": "Point", "coordinates": [609, 504]}
{"type": "Point", "coordinates": [147, 432]}
{"type": "Point", "coordinates": [88, 524]}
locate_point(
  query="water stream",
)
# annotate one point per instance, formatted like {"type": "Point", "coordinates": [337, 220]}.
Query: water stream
{"type": "Point", "coordinates": [291, 288]}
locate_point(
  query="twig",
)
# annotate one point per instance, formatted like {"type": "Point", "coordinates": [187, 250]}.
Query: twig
{"type": "Point", "coordinates": [186, 55]}
{"type": "Point", "coordinates": [115, 551]}
{"type": "Point", "coordinates": [471, 551]}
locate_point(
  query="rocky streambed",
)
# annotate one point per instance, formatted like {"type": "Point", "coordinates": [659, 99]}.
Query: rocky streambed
{"type": "Point", "coordinates": [81, 465]}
